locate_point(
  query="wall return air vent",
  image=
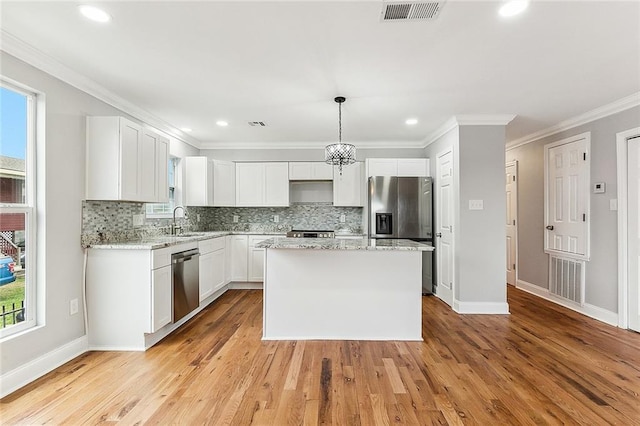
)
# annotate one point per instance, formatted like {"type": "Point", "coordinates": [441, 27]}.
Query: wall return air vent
{"type": "Point", "coordinates": [410, 11]}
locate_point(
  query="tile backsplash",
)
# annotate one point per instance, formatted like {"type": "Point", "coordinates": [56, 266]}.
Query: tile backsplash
{"type": "Point", "coordinates": [112, 221]}
{"type": "Point", "coordinates": [309, 216]}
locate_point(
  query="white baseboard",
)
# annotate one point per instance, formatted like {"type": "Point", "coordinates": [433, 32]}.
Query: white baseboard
{"type": "Point", "coordinates": [480, 307]}
{"type": "Point", "coordinates": [601, 314]}
{"type": "Point", "coordinates": [245, 285]}
{"type": "Point", "coordinates": [32, 370]}
{"type": "Point", "coordinates": [591, 311]}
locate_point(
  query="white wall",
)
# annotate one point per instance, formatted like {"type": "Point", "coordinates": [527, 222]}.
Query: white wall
{"type": "Point", "coordinates": [62, 192]}
{"type": "Point", "coordinates": [601, 271]}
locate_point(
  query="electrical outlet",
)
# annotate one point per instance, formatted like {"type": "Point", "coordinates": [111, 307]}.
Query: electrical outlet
{"type": "Point", "coordinates": [138, 219]}
{"type": "Point", "coordinates": [276, 218]}
{"type": "Point", "coordinates": [476, 205]}
{"type": "Point", "coordinates": [343, 218]}
{"type": "Point", "coordinates": [236, 218]}
{"type": "Point", "coordinates": [73, 306]}
{"type": "Point", "coordinates": [198, 217]}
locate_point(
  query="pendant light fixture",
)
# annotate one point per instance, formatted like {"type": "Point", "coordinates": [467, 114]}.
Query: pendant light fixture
{"type": "Point", "coordinates": [340, 154]}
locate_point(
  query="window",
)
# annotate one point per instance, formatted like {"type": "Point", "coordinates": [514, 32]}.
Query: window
{"type": "Point", "coordinates": [165, 210]}
{"type": "Point", "coordinates": [17, 208]}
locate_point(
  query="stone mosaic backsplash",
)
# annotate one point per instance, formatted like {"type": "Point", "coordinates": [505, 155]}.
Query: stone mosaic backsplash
{"type": "Point", "coordinates": [308, 216]}
{"type": "Point", "coordinates": [112, 221]}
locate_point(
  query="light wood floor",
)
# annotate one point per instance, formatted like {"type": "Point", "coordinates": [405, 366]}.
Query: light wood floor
{"type": "Point", "coordinates": [542, 364]}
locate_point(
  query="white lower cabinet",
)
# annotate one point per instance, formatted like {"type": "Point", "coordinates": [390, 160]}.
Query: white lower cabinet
{"type": "Point", "coordinates": [212, 266]}
{"type": "Point", "coordinates": [122, 311]}
{"type": "Point", "coordinates": [239, 244]}
{"type": "Point", "coordinates": [161, 298]}
{"type": "Point", "coordinates": [227, 258]}
{"type": "Point", "coordinates": [256, 258]}
{"type": "Point", "coordinates": [247, 261]}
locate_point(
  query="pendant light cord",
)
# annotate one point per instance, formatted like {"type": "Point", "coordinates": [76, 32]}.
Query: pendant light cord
{"type": "Point", "coordinates": [340, 122]}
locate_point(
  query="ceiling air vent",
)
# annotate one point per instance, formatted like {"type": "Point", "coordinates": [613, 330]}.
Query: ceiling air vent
{"type": "Point", "coordinates": [411, 11]}
{"type": "Point", "coordinates": [257, 124]}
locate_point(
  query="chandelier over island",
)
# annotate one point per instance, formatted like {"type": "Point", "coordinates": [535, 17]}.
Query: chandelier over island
{"type": "Point", "coordinates": [340, 154]}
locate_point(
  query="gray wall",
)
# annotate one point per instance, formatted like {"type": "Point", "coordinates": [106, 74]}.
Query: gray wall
{"type": "Point", "coordinates": [480, 239]}
{"type": "Point", "coordinates": [61, 189]}
{"type": "Point", "coordinates": [479, 235]}
{"type": "Point", "coordinates": [304, 154]}
{"type": "Point", "coordinates": [601, 271]}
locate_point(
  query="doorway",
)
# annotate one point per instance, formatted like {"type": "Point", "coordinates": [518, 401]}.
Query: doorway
{"type": "Point", "coordinates": [628, 153]}
{"type": "Point", "coordinates": [512, 217]}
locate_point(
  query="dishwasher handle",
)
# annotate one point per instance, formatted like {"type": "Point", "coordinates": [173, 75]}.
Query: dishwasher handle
{"type": "Point", "coordinates": [184, 256]}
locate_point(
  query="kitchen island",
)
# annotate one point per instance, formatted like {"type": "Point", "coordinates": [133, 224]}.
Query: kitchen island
{"type": "Point", "coordinates": [335, 289]}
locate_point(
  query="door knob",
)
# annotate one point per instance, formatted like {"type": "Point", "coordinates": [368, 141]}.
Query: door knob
{"type": "Point", "coordinates": [439, 234]}
{"type": "Point", "coordinates": [549, 227]}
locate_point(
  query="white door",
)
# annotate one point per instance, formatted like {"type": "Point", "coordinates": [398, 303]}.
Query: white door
{"type": "Point", "coordinates": [567, 196]}
{"type": "Point", "coordinates": [512, 208]}
{"type": "Point", "coordinates": [633, 220]}
{"type": "Point", "coordinates": [444, 226]}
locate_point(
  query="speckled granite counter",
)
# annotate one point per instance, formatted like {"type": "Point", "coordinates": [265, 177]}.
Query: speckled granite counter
{"type": "Point", "coordinates": [341, 244]}
{"type": "Point", "coordinates": [161, 241]}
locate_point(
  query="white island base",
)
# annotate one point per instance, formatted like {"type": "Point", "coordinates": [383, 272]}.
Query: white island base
{"type": "Point", "coordinates": [342, 295]}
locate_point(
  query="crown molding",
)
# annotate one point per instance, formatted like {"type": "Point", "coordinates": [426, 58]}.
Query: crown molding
{"type": "Point", "coordinates": [468, 120]}
{"type": "Point", "coordinates": [38, 59]}
{"type": "Point", "coordinates": [311, 145]}
{"type": "Point", "coordinates": [615, 107]}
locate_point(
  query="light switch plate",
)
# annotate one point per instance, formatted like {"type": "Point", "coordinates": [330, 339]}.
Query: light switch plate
{"type": "Point", "coordinates": [476, 205]}
{"type": "Point", "coordinates": [235, 218]}
{"type": "Point", "coordinates": [138, 219]}
{"type": "Point", "coordinates": [343, 218]}
{"type": "Point", "coordinates": [73, 306]}
{"type": "Point", "coordinates": [613, 204]}
{"type": "Point", "coordinates": [276, 218]}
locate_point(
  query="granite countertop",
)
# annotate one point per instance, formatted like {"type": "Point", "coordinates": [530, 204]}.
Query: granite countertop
{"type": "Point", "coordinates": [342, 244]}
{"type": "Point", "coordinates": [161, 241]}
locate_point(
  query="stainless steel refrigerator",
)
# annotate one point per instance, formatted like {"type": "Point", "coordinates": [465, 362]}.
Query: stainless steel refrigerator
{"type": "Point", "coordinates": [402, 208]}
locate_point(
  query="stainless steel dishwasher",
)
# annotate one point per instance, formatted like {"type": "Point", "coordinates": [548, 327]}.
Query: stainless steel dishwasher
{"type": "Point", "coordinates": [185, 283]}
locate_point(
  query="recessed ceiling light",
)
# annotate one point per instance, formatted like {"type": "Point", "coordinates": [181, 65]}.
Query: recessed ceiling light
{"type": "Point", "coordinates": [411, 121]}
{"type": "Point", "coordinates": [186, 129]}
{"type": "Point", "coordinates": [513, 7]}
{"type": "Point", "coordinates": [222, 123]}
{"type": "Point", "coordinates": [94, 13]}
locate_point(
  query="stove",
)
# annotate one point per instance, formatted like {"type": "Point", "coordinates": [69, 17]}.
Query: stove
{"type": "Point", "coordinates": [298, 233]}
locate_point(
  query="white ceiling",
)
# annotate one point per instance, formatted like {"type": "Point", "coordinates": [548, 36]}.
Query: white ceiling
{"type": "Point", "coordinates": [193, 63]}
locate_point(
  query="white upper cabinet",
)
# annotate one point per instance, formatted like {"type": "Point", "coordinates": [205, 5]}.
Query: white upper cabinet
{"type": "Point", "coordinates": [209, 182]}
{"type": "Point", "coordinates": [198, 181]}
{"type": "Point", "coordinates": [315, 170]}
{"type": "Point", "coordinates": [224, 183]}
{"type": "Point", "coordinates": [124, 161]}
{"type": "Point", "coordinates": [162, 170]}
{"type": "Point", "coordinates": [348, 188]}
{"type": "Point", "coordinates": [398, 167]}
{"type": "Point", "coordinates": [262, 184]}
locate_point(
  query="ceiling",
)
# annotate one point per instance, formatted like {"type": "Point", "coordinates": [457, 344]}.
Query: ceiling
{"type": "Point", "coordinates": [191, 64]}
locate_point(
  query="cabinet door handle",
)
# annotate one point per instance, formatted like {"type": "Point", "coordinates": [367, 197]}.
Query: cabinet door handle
{"type": "Point", "coordinates": [549, 227]}
{"type": "Point", "coordinates": [439, 234]}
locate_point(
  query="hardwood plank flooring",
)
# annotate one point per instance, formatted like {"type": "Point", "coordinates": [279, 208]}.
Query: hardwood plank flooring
{"type": "Point", "coordinates": [543, 364]}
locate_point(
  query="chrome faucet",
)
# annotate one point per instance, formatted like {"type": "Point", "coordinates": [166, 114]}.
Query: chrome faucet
{"type": "Point", "coordinates": [174, 227]}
